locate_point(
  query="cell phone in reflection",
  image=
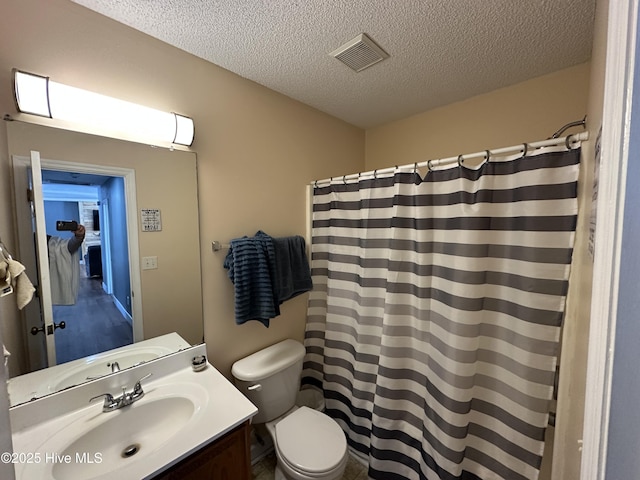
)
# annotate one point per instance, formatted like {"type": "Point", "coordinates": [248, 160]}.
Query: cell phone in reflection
{"type": "Point", "coordinates": [66, 226]}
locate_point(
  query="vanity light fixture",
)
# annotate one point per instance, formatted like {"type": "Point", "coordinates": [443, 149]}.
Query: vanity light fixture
{"type": "Point", "coordinates": [38, 95]}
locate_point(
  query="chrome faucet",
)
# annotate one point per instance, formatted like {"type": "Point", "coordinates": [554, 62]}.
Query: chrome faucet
{"type": "Point", "coordinates": [112, 403]}
{"type": "Point", "coordinates": [115, 367]}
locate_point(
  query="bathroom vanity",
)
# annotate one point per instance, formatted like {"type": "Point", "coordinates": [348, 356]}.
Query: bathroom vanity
{"type": "Point", "coordinates": [159, 420]}
{"type": "Point", "coordinates": [228, 458]}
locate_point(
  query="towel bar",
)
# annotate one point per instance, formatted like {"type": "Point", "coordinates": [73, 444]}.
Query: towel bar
{"type": "Point", "coordinates": [216, 246]}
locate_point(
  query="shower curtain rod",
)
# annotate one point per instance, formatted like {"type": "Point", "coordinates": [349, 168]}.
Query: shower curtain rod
{"type": "Point", "coordinates": [525, 148]}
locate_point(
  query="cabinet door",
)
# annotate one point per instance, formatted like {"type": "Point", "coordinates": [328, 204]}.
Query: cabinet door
{"type": "Point", "coordinates": [225, 459]}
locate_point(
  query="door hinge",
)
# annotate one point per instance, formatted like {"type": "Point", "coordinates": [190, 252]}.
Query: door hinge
{"type": "Point", "coordinates": [29, 195]}
{"type": "Point", "coordinates": [50, 329]}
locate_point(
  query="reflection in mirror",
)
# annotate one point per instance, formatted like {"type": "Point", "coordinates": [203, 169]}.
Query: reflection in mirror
{"type": "Point", "coordinates": [73, 287]}
{"type": "Point", "coordinates": [149, 278]}
{"type": "Point", "coordinates": [25, 388]}
{"type": "Point", "coordinates": [103, 293]}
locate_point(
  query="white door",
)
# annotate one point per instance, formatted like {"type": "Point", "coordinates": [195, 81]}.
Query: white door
{"type": "Point", "coordinates": [31, 229]}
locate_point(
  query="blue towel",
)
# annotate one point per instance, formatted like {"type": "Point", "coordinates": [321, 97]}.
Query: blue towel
{"type": "Point", "coordinates": [251, 265]}
{"type": "Point", "coordinates": [293, 275]}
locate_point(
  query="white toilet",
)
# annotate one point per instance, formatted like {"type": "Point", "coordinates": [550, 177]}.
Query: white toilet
{"type": "Point", "coordinates": [309, 445]}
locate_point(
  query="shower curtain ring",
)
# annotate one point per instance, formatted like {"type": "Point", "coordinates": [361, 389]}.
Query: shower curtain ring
{"type": "Point", "coordinates": [567, 141]}
{"type": "Point", "coordinates": [375, 174]}
{"type": "Point", "coordinates": [344, 180]}
{"type": "Point", "coordinates": [460, 160]}
{"type": "Point", "coordinates": [525, 149]}
{"type": "Point", "coordinates": [315, 184]}
{"type": "Point", "coordinates": [429, 167]}
{"type": "Point", "coordinates": [415, 167]}
{"type": "Point", "coordinates": [488, 157]}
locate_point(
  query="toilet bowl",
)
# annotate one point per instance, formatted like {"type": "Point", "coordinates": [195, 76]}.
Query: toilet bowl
{"type": "Point", "coordinates": [309, 444]}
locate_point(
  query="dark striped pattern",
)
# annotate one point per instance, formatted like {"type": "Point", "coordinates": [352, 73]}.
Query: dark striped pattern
{"type": "Point", "coordinates": [434, 322]}
{"type": "Point", "coordinates": [251, 267]}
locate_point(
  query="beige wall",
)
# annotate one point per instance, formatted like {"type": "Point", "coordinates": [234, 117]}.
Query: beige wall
{"type": "Point", "coordinates": [572, 387]}
{"type": "Point", "coordinates": [256, 149]}
{"type": "Point", "coordinates": [525, 112]}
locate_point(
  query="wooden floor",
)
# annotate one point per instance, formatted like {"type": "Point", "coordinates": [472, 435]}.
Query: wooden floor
{"type": "Point", "coordinates": [94, 324]}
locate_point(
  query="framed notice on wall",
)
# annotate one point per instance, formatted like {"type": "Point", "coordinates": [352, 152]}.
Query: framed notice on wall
{"type": "Point", "coordinates": [151, 221]}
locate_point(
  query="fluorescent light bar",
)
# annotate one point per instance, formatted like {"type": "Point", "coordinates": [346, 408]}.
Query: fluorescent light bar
{"type": "Point", "coordinates": [185, 130]}
{"type": "Point", "coordinates": [39, 95]}
{"type": "Point", "coordinates": [31, 93]}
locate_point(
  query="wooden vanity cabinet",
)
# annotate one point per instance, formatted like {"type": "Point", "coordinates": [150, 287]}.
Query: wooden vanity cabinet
{"type": "Point", "coordinates": [227, 458]}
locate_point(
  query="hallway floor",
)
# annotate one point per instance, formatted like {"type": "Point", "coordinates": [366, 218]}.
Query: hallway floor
{"type": "Point", "coordinates": [264, 469]}
{"type": "Point", "coordinates": [94, 324]}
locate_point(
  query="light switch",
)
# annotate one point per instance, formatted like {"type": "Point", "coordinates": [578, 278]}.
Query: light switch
{"type": "Point", "coordinates": [149, 263]}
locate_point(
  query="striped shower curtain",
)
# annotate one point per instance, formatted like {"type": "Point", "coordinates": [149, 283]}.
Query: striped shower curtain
{"type": "Point", "coordinates": [433, 328]}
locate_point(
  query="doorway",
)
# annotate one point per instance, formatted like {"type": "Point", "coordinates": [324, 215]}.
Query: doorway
{"type": "Point", "coordinates": [101, 317]}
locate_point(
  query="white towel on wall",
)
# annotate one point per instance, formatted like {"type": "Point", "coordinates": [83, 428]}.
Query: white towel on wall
{"type": "Point", "coordinates": [5, 279]}
{"type": "Point", "coordinates": [64, 269]}
{"type": "Point", "coordinates": [14, 279]}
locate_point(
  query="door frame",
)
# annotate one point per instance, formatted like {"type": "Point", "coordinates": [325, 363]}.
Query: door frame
{"type": "Point", "coordinates": [107, 275]}
{"type": "Point", "coordinates": [612, 176]}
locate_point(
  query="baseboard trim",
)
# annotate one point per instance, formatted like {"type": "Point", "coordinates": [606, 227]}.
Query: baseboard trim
{"type": "Point", "coordinates": [122, 310]}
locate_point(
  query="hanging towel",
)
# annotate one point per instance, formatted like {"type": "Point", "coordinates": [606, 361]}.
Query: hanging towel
{"type": "Point", "coordinates": [5, 279]}
{"type": "Point", "coordinates": [14, 279]}
{"type": "Point", "coordinates": [64, 269]}
{"type": "Point", "coordinates": [22, 285]}
{"type": "Point", "coordinates": [293, 275]}
{"type": "Point", "coordinates": [251, 267]}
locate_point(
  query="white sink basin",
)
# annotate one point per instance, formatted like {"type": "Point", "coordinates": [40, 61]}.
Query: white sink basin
{"type": "Point", "coordinates": [127, 435]}
{"type": "Point", "coordinates": [97, 444]}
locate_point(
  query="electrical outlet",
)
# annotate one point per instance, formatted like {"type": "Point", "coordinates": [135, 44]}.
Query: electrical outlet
{"type": "Point", "coordinates": [149, 263]}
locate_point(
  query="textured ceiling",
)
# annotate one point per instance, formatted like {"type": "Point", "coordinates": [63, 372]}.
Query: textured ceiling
{"type": "Point", "coordinates": [441, 51]}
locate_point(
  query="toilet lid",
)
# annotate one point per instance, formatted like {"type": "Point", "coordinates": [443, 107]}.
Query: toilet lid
{"type": "Point", "coordinates": [310, 440]}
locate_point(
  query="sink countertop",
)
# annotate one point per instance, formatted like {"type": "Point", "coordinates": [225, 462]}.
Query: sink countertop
{"type": "Point", "coordinates": [224, 409]}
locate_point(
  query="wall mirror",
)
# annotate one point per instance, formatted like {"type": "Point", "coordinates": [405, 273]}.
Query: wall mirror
{"type": "Point", "coordinates": [139, 265]}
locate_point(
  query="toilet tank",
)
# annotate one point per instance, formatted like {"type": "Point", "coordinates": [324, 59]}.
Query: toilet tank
{"type": "Point", "coordinates": [270, 378]}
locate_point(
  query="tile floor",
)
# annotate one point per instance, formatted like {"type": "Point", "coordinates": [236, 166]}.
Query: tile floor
{"type": "Point", "coordinates": [263, 470]}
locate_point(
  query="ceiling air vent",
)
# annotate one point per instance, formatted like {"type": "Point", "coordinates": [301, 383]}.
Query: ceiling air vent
{"type": "Point", "coordinates": [360, 53]}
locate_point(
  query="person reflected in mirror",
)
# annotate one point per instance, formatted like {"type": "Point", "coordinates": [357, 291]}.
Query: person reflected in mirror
{"type": "Point", "coordinates": [64, 266]}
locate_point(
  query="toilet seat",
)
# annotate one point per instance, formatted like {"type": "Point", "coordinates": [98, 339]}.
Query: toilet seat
{"type": "Point", "coordinates": [310, 442]}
